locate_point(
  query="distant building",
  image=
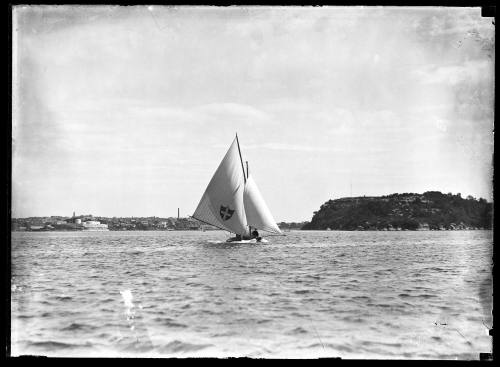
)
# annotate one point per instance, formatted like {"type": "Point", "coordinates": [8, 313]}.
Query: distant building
{"type": "Point", "coordinates": [94, 225]}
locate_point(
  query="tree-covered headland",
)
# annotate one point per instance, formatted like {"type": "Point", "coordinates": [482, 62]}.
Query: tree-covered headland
{"type": "Point", "coordinates": [431, 210]}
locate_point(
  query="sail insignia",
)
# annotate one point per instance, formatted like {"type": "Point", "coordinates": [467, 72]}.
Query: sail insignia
{"type": "Point", "coordinates": [225, 212]}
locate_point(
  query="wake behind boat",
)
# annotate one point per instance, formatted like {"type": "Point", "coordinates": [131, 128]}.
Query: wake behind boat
{"type": "Point", "coordinates": [233, 202]}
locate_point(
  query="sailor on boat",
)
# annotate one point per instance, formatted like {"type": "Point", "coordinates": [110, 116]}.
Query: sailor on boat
{"type": "Point", "coordinates": [255, 235]}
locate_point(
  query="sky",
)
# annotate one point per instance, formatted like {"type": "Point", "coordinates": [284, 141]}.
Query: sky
{"type": "Point", "coordinates": [128, 111]}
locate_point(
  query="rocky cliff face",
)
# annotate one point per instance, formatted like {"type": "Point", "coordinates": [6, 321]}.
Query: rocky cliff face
{"type": "Point", "coordinates": [431, 210]}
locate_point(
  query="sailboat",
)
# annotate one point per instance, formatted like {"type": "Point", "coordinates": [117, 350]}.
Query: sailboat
{"type": "Point", "coordinates": [233, 202]}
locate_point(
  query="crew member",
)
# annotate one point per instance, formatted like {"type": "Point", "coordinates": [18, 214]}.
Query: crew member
{"type": "Point", "coordinates": [255, 235]}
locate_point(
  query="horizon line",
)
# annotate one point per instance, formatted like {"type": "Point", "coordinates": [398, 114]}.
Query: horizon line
{"type": "Point", "coordinates": [282, 221]}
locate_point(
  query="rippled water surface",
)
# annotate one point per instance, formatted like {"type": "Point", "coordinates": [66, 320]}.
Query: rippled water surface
{"type": "Point", "coordinates": [424, 295]}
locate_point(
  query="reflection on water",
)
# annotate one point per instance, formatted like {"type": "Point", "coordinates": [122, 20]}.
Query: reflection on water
{"type": "Point", "coordinates": [424, 295]}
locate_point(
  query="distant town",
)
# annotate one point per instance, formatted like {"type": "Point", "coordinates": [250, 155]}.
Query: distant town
{"type": "Point", "coordinates": [88, 222]}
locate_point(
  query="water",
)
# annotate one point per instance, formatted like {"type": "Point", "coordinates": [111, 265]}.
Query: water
{"type": "Point", "coordinates": [416, 295]}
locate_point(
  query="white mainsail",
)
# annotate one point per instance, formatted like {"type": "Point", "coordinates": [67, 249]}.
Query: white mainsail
{"type": "Point", "coordinates": [222, 203]}
{"type": "Point", "coordinates": [257, 213]}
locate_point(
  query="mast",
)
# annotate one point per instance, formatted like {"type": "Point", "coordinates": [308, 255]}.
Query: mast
{"type": "Point", "coordinates": [241, 159]}
{"type": "Point", "coordinates": [249, 226]}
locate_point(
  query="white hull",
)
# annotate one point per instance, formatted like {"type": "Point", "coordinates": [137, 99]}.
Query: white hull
{"type": "Point", "coordinates": [95, 229]}
{"type": "Point", "coordinates": [241, 242]}
{"type": "Point", "coordinates": [249, 241]}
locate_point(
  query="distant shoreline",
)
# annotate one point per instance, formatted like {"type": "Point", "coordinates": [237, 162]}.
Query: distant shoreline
{"type": "Point", "coordinates": [430, 211]}
{"type": "Point", "coordinates": [292, 230]}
